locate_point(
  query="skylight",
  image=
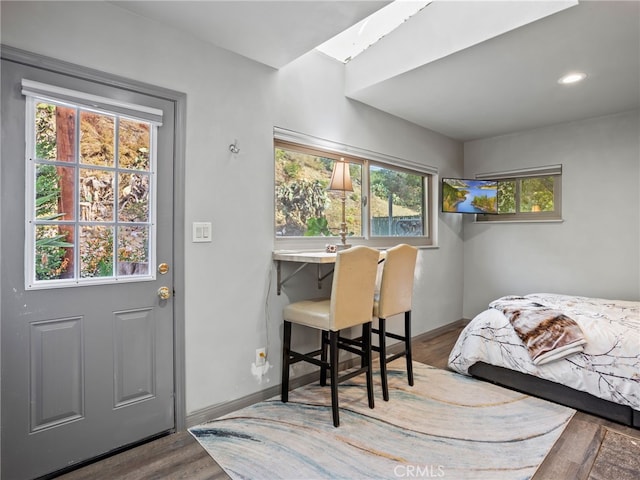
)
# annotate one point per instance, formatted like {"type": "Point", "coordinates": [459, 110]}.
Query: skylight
{"type": "Point", "coordinates": [356, 39]}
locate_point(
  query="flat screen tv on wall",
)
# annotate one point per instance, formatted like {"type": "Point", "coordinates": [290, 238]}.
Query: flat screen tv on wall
{"type": "Point", "coordinates": [462, 195]}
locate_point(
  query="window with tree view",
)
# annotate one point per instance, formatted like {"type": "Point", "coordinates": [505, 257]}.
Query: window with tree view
{"type": "Point", "coordinates": [386, 201]}
{"type": "Point", "coordinates": [529, 196]}
{"type": "Point", "coordinates": [304, 205]}
{"type": "Point", "coordinates": [397, 202]}
{"type": "Point", "coordinates": [89, 190]}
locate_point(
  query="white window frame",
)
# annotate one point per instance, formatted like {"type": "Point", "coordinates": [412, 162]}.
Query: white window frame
{"type": "Point", "coordinates": [366, 158]}
{"type": "Point", "coordinates": [521, 174]}
{"type": "Point", "coordinates": [36, 92]}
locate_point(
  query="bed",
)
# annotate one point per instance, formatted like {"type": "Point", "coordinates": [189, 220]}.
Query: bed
{"type": "Point", "coordinates": [578, 351]}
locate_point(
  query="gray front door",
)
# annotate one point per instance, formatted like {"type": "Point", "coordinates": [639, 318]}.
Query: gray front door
{"type": "Point", "coordinates": [87, 368]}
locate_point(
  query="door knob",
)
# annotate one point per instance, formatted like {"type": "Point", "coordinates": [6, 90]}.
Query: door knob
{"type": "Point", "coordinates": [164, 293]}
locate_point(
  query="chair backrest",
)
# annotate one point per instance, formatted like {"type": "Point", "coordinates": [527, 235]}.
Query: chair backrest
{"type": "Point", "coordinates": [353, 288]}
{"type": "Point", "coordinates": [396, 286]}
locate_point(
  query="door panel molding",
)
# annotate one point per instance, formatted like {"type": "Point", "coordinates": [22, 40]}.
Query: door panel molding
{"type": "Point", "coordinates": [56, 372]}
{"type": "Point", "coordinates": [135, 360]}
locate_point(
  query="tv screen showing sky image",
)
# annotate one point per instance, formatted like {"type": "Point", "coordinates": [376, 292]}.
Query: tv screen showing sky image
{"type": "Point", "coordinates": [461, 195]}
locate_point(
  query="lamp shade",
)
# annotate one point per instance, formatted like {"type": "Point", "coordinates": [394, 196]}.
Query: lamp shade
{"type": "Point", "coordinates": [340, 178]}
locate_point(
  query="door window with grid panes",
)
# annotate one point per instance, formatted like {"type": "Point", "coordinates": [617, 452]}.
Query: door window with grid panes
{"type": "Point", "coordinates": [90, 195]}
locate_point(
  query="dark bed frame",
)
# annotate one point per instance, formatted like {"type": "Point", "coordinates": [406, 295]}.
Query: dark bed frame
{"type": "Point", "coordinates": [539, 387]}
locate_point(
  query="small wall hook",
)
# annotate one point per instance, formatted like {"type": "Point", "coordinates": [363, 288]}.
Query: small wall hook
{"type": "Point", "coordinates": [233, 148]}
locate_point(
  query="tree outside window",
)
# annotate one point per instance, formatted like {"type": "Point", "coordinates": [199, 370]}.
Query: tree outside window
{"type": "Point", "coordinates": [529, 197]}
{"type": "Point", "coordinates": [91, 208]}
{"type": "Point", "coordinates": [304, 206]}
{"type": "Point", "coordinates": [386, 201]}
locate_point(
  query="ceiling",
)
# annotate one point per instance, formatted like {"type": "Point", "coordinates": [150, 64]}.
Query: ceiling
{"type": "Point", "coordinates": [498, 82]}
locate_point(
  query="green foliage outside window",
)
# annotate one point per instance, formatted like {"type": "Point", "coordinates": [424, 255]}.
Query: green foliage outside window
{"type": "Point", "coordinates": [299, 202]}
{"type": "Point", "coordinates": [96, 259]}
{"type": "Point", "coordinates": [507, 196]}
{"type": "Point", "coordinates": [317, 227]}
{"type": "Point", "coordinates": [50, 244]}
{"type": "Point", "coordinates": [45, 131]}
{"type": "Point", "coordinates": [397, 199]}
{"type": "Point", "coordinates": [526, 195]}
{"type": "Point", "coordinates": [304, 206]}
{"type": "Point", "coordinates": [537, 194]}
{"type": "Point", "coordinates": [97, 137]}
{"type": "Point", "coordinates": [405, 189]}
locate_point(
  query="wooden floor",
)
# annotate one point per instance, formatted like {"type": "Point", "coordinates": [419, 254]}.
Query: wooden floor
{"type": "Point", "coordinates": [179, 456]}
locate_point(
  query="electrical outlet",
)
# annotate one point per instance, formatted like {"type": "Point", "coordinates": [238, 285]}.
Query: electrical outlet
{"type": "Point", "coordinates": [261, 356]}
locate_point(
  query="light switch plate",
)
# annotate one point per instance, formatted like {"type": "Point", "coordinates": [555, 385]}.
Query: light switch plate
{"type": "Point", "coordinates": [201, 232]}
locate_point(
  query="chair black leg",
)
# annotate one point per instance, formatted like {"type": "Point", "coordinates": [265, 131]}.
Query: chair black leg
{"type": "Point", "coordinates": [407, 342]}
{"type": "Point", "coordinates": [333, 368]}
{"type": "Point", "coordinates": [366, 358]}
{"type": "Point", "coordinates": [324, 343]}
{"type": "Point", "coordinates": [286, 347]}
{"type": "Point", "coordinates": [382, 341]}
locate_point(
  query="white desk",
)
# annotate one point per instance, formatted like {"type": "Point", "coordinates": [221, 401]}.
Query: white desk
{"type": "Point", "coordinates": [318, 258]}
{"type": "Point", "coordinates": [305, 257]}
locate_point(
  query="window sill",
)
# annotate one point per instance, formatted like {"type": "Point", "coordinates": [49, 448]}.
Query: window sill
{"type": "Point", "coordinates": [319, 244]}
{"type": "Point", "coordinates": [287, 251]}
{"type": "Point", "coordinates": [494, 222]}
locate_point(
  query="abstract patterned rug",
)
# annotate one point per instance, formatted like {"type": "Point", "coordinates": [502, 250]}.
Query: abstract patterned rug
{"type": "Point", "coordinates": [446, 426]}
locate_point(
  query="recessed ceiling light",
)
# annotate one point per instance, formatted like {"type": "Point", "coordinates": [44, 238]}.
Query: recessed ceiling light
{"type": "Point", "coordinates": [573, 77]}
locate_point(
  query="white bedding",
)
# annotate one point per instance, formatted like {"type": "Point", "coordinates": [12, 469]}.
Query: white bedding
{"type": "Point", "coordinates": [608, 368]}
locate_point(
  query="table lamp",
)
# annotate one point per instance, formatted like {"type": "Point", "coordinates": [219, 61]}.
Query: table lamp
{"type": "Point", "coordinates": [341, 182]}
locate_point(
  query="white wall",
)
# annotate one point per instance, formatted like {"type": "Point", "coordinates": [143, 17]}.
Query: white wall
{"type": "Point", "coordinates": [228, 310]}
{"type": "Point", "coordinates": [595, 251]}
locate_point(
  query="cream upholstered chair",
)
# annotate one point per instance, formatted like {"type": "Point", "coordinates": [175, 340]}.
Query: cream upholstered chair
{"type": "Point", "coordinates": [395, 297]}
{"type": "Point", "coordinates": [350, 304]}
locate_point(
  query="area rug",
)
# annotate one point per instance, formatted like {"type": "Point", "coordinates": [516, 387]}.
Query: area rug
{"type": "Point", "coordinates": [446, 426]}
